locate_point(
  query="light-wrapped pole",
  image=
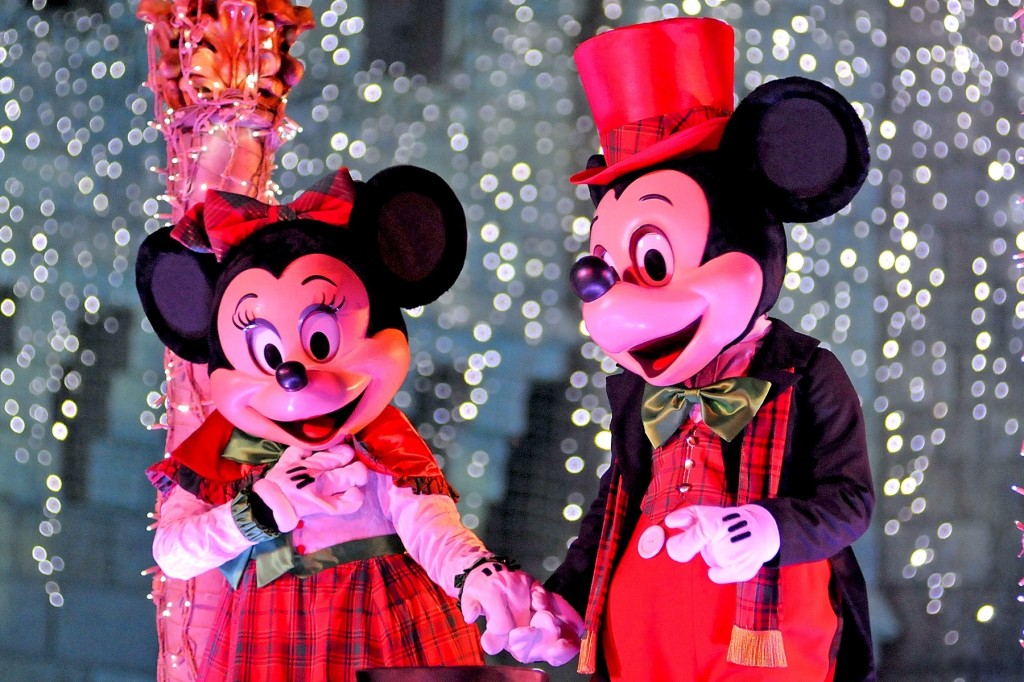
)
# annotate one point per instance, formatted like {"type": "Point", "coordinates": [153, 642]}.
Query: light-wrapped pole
{"type": "Point", "coordinates": [220, 72]}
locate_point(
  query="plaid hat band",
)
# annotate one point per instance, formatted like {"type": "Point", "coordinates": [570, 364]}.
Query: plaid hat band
{"type": "Point", "coordinates": [226, 219]}
{"type": "Point", "coordinates": [625, 141]}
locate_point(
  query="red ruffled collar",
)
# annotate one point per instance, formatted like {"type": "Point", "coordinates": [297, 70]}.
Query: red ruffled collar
{"type": "Point", "coordinates": [390, 445]}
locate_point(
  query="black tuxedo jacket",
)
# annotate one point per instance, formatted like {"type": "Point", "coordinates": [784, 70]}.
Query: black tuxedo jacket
{"type": "Point", "coordinates": [825, 496]}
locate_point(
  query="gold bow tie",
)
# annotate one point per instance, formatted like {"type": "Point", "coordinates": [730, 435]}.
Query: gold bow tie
{"type": "Point", "coordinates": [726, 406]}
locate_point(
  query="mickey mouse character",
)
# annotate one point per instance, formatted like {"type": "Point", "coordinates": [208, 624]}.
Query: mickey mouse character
{"type": "Point", "coordinates": [718, 547]}
{"type": "Point", "coordinates": [319, 502]}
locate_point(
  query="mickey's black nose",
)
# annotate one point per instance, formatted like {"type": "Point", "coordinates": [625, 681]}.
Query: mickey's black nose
{"type": "Point", "coordinates": [591, 278]}
{"type": "Point", "coordinates": [291, 376]}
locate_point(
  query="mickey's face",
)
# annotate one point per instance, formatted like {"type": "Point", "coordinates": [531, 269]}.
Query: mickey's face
{"type": "Point", "coordinates": [303, 370]}
{"type": "Point", "coordinates": [660, 311]}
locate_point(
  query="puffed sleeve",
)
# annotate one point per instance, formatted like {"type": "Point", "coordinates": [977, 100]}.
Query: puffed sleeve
{"type": "Point", "coordinates": [193, 536]}
{"type": "Point", "coordinates": [432, 532]}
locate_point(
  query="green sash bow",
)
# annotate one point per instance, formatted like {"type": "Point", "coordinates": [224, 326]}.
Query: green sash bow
{"type": "Point", "coordinates": [248, 449]}
{"type": "Point", "coordinates": [274, 556]}
{"type": "Point", "coordinates": [726, 406]}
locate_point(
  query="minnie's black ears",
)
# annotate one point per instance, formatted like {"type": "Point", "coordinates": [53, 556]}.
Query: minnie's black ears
{"type": "Point", "coordinates": [420, 232]}
{"type": "Point", "coordinates": [175, 286]}
{"type": "Point", "coordinates": [407, 222]}
{"type": "Point", "coordinates": [801, 145]}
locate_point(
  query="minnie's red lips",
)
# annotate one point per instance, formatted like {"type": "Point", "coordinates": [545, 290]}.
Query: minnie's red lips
{"type": "Point", "coordinates": [656, 356]}
{"type": "Point", "coordinates": [322, 428]}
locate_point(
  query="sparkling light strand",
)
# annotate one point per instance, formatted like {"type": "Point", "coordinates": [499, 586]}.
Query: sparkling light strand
{"type": "Point", "coordinates": [63, 83]}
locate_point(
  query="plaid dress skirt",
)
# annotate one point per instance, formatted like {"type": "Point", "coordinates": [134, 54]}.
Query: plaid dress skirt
{"type": "Point", "coordinates": [378, 612]}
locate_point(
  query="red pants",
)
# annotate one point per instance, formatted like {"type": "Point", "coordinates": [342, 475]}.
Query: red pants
{"type": "Point", "coordinates": [667, 621]}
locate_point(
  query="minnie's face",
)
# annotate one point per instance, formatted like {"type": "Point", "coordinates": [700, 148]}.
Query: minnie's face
{"type": "Point", "coordinates": [304, 372]}
{"type": "Point", "coordinates": [668, 314]}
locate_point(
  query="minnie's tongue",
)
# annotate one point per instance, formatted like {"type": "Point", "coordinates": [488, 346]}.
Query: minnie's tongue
{"type": "Point", "coordinates": [318, 428]}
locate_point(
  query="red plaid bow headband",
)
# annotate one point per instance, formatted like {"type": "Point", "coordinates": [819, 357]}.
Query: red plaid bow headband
{"type": "Point", "coordinates": [225, 218]}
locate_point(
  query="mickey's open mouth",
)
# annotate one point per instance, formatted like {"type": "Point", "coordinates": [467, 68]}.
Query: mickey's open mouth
{"type": "Point", "coordinates": [656, 356]}
{"type": "Point", "coordinates": [315, 430]}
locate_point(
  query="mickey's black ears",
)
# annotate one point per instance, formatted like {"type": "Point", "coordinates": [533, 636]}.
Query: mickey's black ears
{"type": "Point", "coordinates": [801, 144]}
{"type": "Point", "coordinates": [420, 230]}
{"type": "Point", "coordinates": [175, 286]}
{"type": "Point", "coordinates": [597, 192]}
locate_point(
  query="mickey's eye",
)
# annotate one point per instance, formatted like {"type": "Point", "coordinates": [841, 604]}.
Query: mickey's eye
{"type": "Point", "coordinates": [321, 335]}
{"type": "Point", "coordinates": [264, 345]}
{"type": "Point", "coordinates": [604, 255]}
{"type": "Point", "coordinates": [652, 256]}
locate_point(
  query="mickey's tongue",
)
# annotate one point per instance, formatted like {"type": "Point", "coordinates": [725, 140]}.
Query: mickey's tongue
{"type": "Point", "coordinates": [658, 355]}
{"type": "Point", "coordinates": [661, 364]}
{"type": "Point", "coordinates": [318, 428]}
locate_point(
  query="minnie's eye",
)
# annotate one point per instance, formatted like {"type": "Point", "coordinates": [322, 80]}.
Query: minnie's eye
{"type": "Point", "coordinates": [652, 256]}
{"type": "Point", "coordinates": [321, 336]}
{"type": "Point", "coordinates": [264, 345]}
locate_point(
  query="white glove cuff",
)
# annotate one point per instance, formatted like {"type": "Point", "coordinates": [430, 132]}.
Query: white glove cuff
{"type": "Point", "coordinates": [460, 579]}
{"type": "Point", "coordinates": [766, 529]}
{"type": "Point", "coordinates": [273, 497]}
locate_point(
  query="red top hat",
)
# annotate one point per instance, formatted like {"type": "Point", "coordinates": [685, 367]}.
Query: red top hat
{"type": "Point", "coordinates": [657, 91]}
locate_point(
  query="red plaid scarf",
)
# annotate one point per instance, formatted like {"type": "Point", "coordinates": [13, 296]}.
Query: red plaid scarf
{"type": "Point", "coordinates": [611, 538]}
{"type": "Point", "coordinates": [756, 639]}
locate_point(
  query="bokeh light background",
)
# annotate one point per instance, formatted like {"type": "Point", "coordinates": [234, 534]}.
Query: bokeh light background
{"type": "Point", "coordinates": [913, 285]}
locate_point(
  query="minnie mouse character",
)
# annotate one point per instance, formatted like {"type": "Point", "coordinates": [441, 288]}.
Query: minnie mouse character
{"type": "Point", "coordinates": [319, 502]}
{"type": "Point", "coordinates": [718, 547]}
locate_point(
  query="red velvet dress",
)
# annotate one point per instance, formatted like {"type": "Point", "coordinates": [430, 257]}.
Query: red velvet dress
{"type": "Point", "coordinates": [381, 611]}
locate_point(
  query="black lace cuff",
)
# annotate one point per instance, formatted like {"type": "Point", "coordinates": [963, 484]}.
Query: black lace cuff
{"type": "Point", "coordinates": [250, 515]}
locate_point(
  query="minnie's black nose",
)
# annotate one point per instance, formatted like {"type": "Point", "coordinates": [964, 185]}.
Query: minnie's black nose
{"type": "Point", "coordinates": [591, 278]}
{"type": "Point", "coordinates": [291, 376]}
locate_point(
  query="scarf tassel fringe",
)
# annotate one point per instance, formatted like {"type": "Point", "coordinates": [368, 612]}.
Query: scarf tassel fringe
{"type": "Point", "coordinates": [756, 648]}
{"type": "Point", "coordinates": [588, 654]}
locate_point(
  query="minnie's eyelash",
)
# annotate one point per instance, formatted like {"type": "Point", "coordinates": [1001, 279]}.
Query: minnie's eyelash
{"type": "Point", "coordinates": [243, 319]}
{"type": "Point", "coordinates": [332, 304]}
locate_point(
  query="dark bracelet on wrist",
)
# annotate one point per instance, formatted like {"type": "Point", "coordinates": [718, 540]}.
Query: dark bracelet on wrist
{"type": "Point", "coordinates": [507, 562]}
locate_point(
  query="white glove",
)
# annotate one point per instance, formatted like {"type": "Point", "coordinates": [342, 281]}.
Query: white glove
{"type": "Point", "coordinates": [554, 632]}
{"type": "Point", "coordinates": [302, 484]}
{"type": "Point", "coordinates": [521, 616]}
{"type": "Point", "coordinates": [734, 541]}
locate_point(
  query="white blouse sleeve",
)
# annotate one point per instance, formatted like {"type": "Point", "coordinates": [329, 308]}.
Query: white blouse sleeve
{"type": "Point", "coordinates": [433, 534]}
{"type": "Point", "coordinates": [193, 536]}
